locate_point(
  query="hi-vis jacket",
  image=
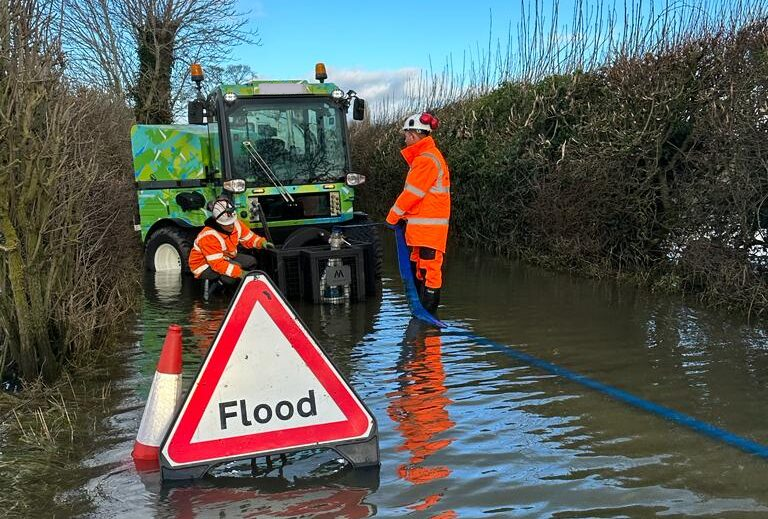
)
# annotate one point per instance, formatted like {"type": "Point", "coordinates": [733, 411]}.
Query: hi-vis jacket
{"type": "Point", "coordinates": [214, 248]}
{"type": "Point", "coordinates": [426, 199]}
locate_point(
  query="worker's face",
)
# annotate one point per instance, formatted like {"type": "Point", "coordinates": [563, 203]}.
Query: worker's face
{"type": "Point", "coordinates": [411, 137]}
{"type": "Point", "coordinates": [229, 227]}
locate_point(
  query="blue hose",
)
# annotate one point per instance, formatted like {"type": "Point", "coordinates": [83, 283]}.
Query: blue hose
{"type": "Point", "coordinates": [701, 427]}
{"type": "Point", "coordinates": [677, 417]}
{"type": "Point", "coordinates": [404, 265]}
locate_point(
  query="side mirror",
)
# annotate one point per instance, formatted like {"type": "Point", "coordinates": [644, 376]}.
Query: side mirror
{"type": "Point", "coordinates": [196, 111]}
{"type": "Point", "coordinates": [358, 109]}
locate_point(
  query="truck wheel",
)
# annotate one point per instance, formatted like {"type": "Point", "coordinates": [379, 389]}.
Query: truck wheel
{"type": "Point", "coordinates": [305, 237]}
{"type": "Point", "coordinates": [168, 250]}
{"type": "Point", "coordinates": [362, 233]}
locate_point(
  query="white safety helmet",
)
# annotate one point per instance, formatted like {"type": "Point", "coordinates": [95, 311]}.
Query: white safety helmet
{"type": "Point", "coordinates": [224, 212]}
{"type": "Point", "coordinates": [425, 122]}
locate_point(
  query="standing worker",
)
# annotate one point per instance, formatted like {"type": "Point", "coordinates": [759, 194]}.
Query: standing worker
{"type": "Point", "coordinates": [214, 256]}
{"type": "Point", "coordinates": [425, 206]}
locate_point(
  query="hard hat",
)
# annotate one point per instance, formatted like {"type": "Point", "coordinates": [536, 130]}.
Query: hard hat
{"type": "Point", "coordinates": [224, 212]}
{"type": "Point", "coordinates": [424, 121]}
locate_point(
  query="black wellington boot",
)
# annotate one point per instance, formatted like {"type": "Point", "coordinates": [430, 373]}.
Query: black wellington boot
{"type": "Point", "coordinates": [431, 300]}
{"type": "Point", "coordinates": [419, 284]}
{"type": "Point", "coordinates": [419, 288]}
{"type": "Point", "coordinates": [211, 287]}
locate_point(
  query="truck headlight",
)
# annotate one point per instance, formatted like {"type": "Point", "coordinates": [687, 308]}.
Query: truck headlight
{"type": "Point", "coordinates": [337, 93]}
{"type": "Point", "coordinates": [230, 97]}
{"type": "Point", "coordinates": [355, 179]}
{"type": "Point", "coordinates": [236, 185]}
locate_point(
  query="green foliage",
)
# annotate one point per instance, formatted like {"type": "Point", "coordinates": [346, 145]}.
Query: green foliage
{"type": "Point", "coordinates": [651, 166]}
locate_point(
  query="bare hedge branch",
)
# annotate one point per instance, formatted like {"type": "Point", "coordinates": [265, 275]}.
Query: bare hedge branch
{"type": "Point", "coordinates": [65, 203]}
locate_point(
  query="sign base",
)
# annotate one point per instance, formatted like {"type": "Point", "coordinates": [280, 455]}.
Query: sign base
{"type": "Point", "coordinates": [362, 454]}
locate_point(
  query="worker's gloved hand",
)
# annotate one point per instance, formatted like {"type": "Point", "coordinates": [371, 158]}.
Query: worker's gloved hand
{"type": "Point", "coordinates": [400, 224]}
{"type": "Point", "coordinates": [269, 245]}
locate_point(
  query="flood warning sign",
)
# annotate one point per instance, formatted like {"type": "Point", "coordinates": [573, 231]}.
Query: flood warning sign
{"type": "Point", "coordinates": [265, 386]}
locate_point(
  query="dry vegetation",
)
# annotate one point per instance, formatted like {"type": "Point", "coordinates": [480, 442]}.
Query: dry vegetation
{"type": "Point", "coordinates": [67, 269]}
{"type": "Point", "coordinates": [637, 155]}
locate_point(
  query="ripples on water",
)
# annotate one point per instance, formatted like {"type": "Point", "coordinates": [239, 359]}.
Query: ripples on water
{"type": "Point", "coordinates": [467, 431]}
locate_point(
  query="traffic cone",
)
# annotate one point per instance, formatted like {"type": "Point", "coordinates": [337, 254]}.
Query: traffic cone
{"type": "Point", "coordinates": [163, 399]}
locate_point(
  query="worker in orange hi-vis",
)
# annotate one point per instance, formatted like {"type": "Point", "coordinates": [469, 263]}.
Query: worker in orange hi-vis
{"type": "Point", "coordinates": [425, 206]}
{"type": "Point", "coordinates": [214, 256]}
{"type": "Point", "coordinates": [420, 408]}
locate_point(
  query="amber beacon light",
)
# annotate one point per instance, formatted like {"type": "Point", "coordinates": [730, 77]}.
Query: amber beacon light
{"type": "Point", "coordinates": [320, 73]}
{"type": "Point", "coordinates": [196, 71]}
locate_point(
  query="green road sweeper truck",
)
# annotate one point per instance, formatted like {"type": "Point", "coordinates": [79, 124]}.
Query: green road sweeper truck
{"type": "Point", "coordinates": [279, 150]}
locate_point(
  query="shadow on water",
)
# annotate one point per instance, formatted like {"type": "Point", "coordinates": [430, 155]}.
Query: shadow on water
{"type": "Point", "coordinates": [467, 431]}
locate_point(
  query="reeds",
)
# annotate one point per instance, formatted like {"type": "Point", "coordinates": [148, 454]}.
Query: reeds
{"type": "Point", "coordinates": [47, 431]}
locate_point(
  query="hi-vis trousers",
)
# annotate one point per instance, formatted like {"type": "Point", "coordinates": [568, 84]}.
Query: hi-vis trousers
{"type": "Point", "coordinates": [429, 266]}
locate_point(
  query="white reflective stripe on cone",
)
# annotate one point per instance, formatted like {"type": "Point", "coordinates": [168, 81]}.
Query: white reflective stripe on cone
{"type": "Point", "coordinates": [163, 399]}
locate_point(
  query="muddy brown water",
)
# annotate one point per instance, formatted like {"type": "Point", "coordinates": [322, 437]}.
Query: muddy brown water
{"type": "Point", "coordinates": [466, 430]}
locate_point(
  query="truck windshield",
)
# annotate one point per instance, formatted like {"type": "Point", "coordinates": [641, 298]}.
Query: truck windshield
{"type": "Point", "coordinates": [300, 139]}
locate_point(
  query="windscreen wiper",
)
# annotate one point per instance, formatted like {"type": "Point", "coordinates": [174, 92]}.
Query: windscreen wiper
{"type": "Point", "coordinates": [258, 159]}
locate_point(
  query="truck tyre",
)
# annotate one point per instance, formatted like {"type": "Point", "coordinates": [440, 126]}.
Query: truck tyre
{"type": "Point", "coordinates": [306, 237]}
{"type": "Point", "coordinates": [362, 230]}
{"type": "Point", "coordinates": [168, 250]}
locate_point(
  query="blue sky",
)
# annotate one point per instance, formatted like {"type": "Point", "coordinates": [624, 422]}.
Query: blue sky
{"type": "Point", "coordinates": [377, 48]}
{"type": "Point", "coordinates": [370, 47]}
{"type": "Point", "coordinates": [367, 36]}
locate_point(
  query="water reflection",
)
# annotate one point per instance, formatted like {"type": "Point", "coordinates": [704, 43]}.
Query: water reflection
{"type": "Point", "coordinates": [317, 502]}
{"type": "Point", "coordinates": [322, 501]}
{"type": "Point", "coordinates": [270, 493]}
{"type": "Point", "coordinates": [167, 285]}
{"type": "Point", "coordinates": [203, 324]}
{"type": "Point", "coordinates": [420, 408]}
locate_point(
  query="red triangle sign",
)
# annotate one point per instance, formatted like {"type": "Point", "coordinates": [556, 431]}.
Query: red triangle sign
{"type": "Point", "coordinates": [265, 386]}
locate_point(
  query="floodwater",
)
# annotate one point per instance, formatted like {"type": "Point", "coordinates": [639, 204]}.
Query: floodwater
{"type": "Point", "coordinates": [468, 430]}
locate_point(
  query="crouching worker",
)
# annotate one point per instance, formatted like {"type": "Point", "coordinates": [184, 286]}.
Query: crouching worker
{"type": "Point", "coordinates": [214, 257]}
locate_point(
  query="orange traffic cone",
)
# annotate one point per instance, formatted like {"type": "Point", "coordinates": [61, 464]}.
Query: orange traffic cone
{"type": "Point", "coordinates": [163, 398]}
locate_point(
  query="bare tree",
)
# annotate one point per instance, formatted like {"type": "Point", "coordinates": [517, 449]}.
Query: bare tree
{"type": "Point", "coordinates": [100, 47]}
{"type": "Point", "coordinates": [142, 48]}
{"type": "Point", "coordinates": [229, 74]}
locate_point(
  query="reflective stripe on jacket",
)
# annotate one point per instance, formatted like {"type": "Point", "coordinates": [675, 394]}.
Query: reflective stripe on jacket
{"type": "Point", "coordinates": [426, 198]}
{"type": "Point", "coordinates": [214, 249]}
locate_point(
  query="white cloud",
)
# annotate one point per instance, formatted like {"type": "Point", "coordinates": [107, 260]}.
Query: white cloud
{"type": "Point", "coordinates": [377, 87]}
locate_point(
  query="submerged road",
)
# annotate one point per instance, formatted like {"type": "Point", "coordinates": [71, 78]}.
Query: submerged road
{"type": "Point", "coordinates": [517, 409]}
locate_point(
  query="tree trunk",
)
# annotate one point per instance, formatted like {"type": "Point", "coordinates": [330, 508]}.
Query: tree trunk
{"type": "Point", "coordinates": [34, 351]}
{"type": "Point", "coordinates": [153, 87]}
